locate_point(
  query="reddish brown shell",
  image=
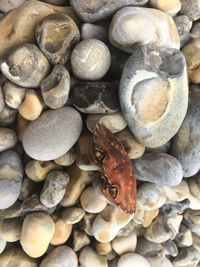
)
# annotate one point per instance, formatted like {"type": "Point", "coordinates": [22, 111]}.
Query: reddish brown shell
{"type": "Point", "coordinates": [116, 167]}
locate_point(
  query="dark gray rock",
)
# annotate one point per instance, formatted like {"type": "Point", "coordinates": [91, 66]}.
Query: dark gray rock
{"type": "Point", "coordinates": [55, 88]}
{"type": "Point", "coordinates": [52, 134]}
{"type": "Point", "coordinates": [94, 10]}
{"type": "Point", "coordinates": [186, 144]}
{"type": "Point", "coordinates": [56, 35]}
{"type": "Point", "coordinates": [183, 25]}
{"type": "Point", "coordinates": [96, 97]}
{"type": "Point", "coordinates": [190, 8]}
{"type": "Point", "coordinates": [158, 168]}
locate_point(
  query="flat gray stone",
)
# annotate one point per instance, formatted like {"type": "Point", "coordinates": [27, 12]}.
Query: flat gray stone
{"type": "Point", "coordinates": [52, 134]}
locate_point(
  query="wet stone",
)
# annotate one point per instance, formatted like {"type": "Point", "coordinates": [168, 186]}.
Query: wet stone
{"type": "Point", "coordinates": [94, 97]}
{"type": "Point", "coordinates": [56, 35]}
{"type": "Point", "coordinates": [26, 66]}
{"type": "Point", "coordinates": [183, 25]}
{"type": "Point", "coordinates": [14, 94]}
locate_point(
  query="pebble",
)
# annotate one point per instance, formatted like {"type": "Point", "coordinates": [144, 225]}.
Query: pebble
{"type": "Point", "coordinates": [92, 11]}
{"type": "Point", "coordinates": [52, 134]}
{"type": "Point", "coordinates": [53, 190]}
{"type": "Point", "coordinates": [188, 257]}
{"type": "Point", "coordinates": [21, 125]}
{"type": "Point", "coordinates": [89, 258]}
{"type": "Point", "coordinates": [171, 8]}
{"type": "Point", "coordinates": [183, 25]}
{"type": "Point", "coordinates": [67, 159]}
{"type": "Point", "coordinates": [195, 31]}
{"type": "Point", "coordinates": [150, 197]}
{"type": "Point", "coordinates": [37, 232]}
{"type": "Point", "coordinates": [16, 257]}
{"type": "Point", "coordinates": [14, 94]}
{"type": "Point", "coordinates": [56, 2]}
{"type": "Point", "coordinates": [152, 23]}
{"type": "Point", "coordinates": [159, 261]}
{"type": "Point", "coordinates": [191, 9]}
{"type": "Point", "coordinates": [28, 188]}
{"type": "Point", "coordinates": [145, 217]}
{"type": "Point", "coordinates": [86, 223]}
{"type": "Point", "coordinates": [11, 174]}
{"type": "Point", "coordinates": [91, 55]}
{"type": "Point", "coordinates": [79, 179]}
{"type": "Point", "coordinates": [94, 31]}
{"type": "Point", "coordinates": [147, 248]}
{"type": "Point", "coordinates": [108, 223]}
{"type": "Point", "coordinates": [159, 168]}
{"type": "Point", "coordinates": [31, 108]}
{"type": "Point", "coordinates": [94, 97]}
{"type": "Point", "coordinates": [184, 237]}
{"type": "Point", "coordinates": [10, 229]}
{"type": "Point", "coordinates": [141, 81]}
{"type": "Point", "coordinates": [177, 193]}
{"type": "Point", "coordinates": [37, 171]}
{"type": "Point", "coordinates": [125, 244]}
{"type": "Point", "coordinates": [62, 256]}
{"type": "Point", "coordinates": [175, 208]}
{"type": "Point", "coordinates": [55, 87]}
{"type": "Point", "coordinates": [133, 148]}
{"type": "Point", "coordinates": [2, 99]}
{"type": "Point", "coordinates": [7, 5]}
{"type": "Point", "coordinates": [80, 240]}
{"type": "Point", "coordinates": [3, 244]}
{"type": "Point", "coordinates": [26, 66]}
{"type": "Point", "coordinates": [186, 146]}
{"type": "Point", "coordinates": [7, 116]}
{"type": "Point", "coordinates": [103, 248]}
{"type": "Point", "coordinates": [90, 201]}
{"type": "Point", "coordinates": [132, 259]}
{"type": "Point", "coordinates": [72, 215]}
{"type": "Point", "coordinates": [161, 149]}
{"type": "Point", "coordinates": [114, 122]}
{"type": "Point", "coordinates": [56, 35]}
{"type": "Point", "coordinates": [8, 139]}
{"type": "Point", "coordinates": [170, 248]}
{"type": "Point", "coordinates": [62, 231]}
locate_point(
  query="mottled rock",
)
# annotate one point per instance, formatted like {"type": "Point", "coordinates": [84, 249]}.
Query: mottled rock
{"type": "Point", "coordinates": [159, 168]}
{"type": "Point", "coordinates": [89, 258]}
{"type": "Point", "coordinates": [175, 208]}
{"type": "Point", "coordinates": [37, 232]}
{"type": "Point", "coordinates": [80, 240]}
{"type": "Point", "coordinates": [170, 248]}
{"type": "Point", "coordinates": [56, 35]}
{"type": "Point", "coordinates": [55, 88]}
{"type": "Point", "coordinates": [152, 25]}
{"type": "Point", "coordinates": [183, 25]}
{"type": "Point", "coordinates": [14, 94]}
{"type": "Point", "coordinates": [92, 11]}
{"type": "Point", "coordinates": [149, 76]}
{"type": "Point", "coordinates": [67, 159]}
{"type": "Point", "coordinates": [186, 146]}
{"type": "Point", "coordinates": [8, 139]}
{"type": "Point", "coordinates": [191, 9]}
{"type": "Point", "coordinates": [91, 55]}
{"type": "Point", "coordinates": [93, 31]}
{"type": "Point", "coordinates": [94, 97]}
{"type": "Point", "coordinates": [72, 215]}
{"type": "Point", "coordinates": [125, 244]}
{"type": "Point", "coordinates": [53, 190]}
{"type": "Point", "coordinates": [171, 8]}
{"type": "Point", "coordinates": [10, 229]}
{"type": "Point", "coordinates": [25, 65]}
{"type": "Point", "coordinates": [50, 136]}
{"type": "Point", "coordinates": [132, 259]}
{"type": "Point", "coordinates": [7, 116]}
{"type": "Point", "coordinates": [60, 257]}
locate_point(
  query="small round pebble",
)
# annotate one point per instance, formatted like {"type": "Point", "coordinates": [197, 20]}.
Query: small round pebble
{"type": "Point", "coordinates": [103, 248]}
{"type": "Point", "coordinates": [90, 60]}
{"type": "Point", "coordinates": [37, 231]}
{"type": "Point", "coordinates": [124, 244]}
{"type": "Point", "coordinates": [93, 31]}
{"type": "Point", "coordinates": [54, 188]}
{"type": "Point", "coordinates": [89, 258]}
{"type": "Point", "coordinates": [67, 159]}
{"type": "Point", "coordinates": [14, 94]}
{"type": "Point", "coordinates": [62, 256]}
{"type": "Point", "coordinates": [132, 259]}
{"type": "Point", "coordinates": [52, 134]}
{"type": "Point", "coordinates": [10, 229]}
{"type": "Point", "coordinates": [159, 261]}
{"type": "Point", "coordinates": [72, 215]}
{"type": "Point", "coordinates": [8, 139]}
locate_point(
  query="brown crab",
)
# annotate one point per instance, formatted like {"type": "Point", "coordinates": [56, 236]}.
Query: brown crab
{"type": "Point", "coordinates": [119, 185]}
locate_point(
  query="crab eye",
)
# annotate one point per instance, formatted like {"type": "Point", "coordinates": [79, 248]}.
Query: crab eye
{"type": "Point", "coordinates": [99, 155]}
{"type": "Point", "coordinates": [113, 191]}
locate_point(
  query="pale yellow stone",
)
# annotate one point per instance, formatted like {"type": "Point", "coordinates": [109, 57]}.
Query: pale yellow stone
{"type": "Point", "coordinates": [124, 244]}
{"type": "Point", "coordinates": [170, 7]}
{"type": "Point", "coordinates": [32, 105]}
{"type": "Point", "coordinates": [103, 248]}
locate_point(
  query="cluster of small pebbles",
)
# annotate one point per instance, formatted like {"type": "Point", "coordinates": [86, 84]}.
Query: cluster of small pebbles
{"type": "Point", "coordinates": [132, 65]}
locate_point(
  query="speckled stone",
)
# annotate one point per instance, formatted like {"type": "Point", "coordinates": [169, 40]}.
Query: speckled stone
{"type": "Point", "coordinates": [53, 134]}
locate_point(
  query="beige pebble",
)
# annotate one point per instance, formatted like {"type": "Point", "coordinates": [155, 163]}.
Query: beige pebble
{"type": "Point", "coordinates": [132, 259]}
{"type": "Point", "coordinates": [125, 244]}
{"type": "Point", "coordinates": [91, 202]}
{"type": "Point", "coordinates": [80, 239]}
{"type": "Point", "coordinates": [38, 170]}
{"type": "Point", "coordinates": [10, 229]}
{"type": "Point", "coordinates": [37, 232]}
{"type": "Point", "coordinates": [89, 258]}
{"type": "Point", "coordinates": [103, 248]}
{"type": "Point", "coordinates": [169, 7]}
{"type": "Point", "coordinates": [32, 106]}
{"type": "Point", "coordinates": [72, 215]}
{"type": "Point", "coordinates": [67, 159]}
{"type": "Point", "coordinates": [62, 231]}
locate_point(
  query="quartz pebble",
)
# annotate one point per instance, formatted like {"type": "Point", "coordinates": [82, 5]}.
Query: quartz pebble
{"type": "Point", "coordinates": [58, 130]}
{"type": "Point", "coordinates": [132, 259]}
{"type": "Point", "coordinates": [8, 139]}
{"type": "Point", "coordinates": [32, 106]}
{"type": "Point", "coordinates": [89, 258]}
{"type": "Point", "coordinates": [56, 35]}
{"type": "Point", "coordinates": [14, 94]}
{"type": "Point", "coordinates": [80, 240]}
{"type": "Point", "coordinates": [92, 55]}
{"type": "Point", "coordinates": [67, 159]}
{"type": "Point", "coordinates": [159, 168]}
{"type": "Point", "coordinates": [125, 244]}
{"type": "Point", "coordinates": [54, 188]}
{"type": "Point", "coordinates": [93, 31]}
{"type": "Point", "coordinates": [55, 88]}
{"type": "Point", "coordinates": [25, 66]}
{"type": "Point", "coordinates": [171, 8]}
{"type": "Point", "coordinates": [72, 215]}
{"type": "Point", "coordinates": [61, 256]}
{"type": "Point", "coordinates": [37, 232]}
{"type": "Point", "coordinates": [153, 23]}
{"type": "Point", "coordinates": [145, 80]}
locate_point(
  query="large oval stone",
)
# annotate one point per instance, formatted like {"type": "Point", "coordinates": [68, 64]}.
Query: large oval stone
{"type": "Point", "coordinates": [53, 134]}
